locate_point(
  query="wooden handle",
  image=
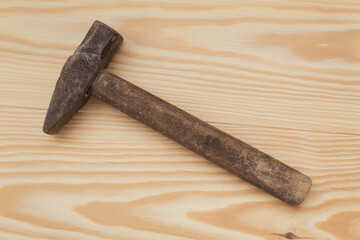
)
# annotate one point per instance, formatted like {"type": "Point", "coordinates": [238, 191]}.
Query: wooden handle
{"type": "Point", "coordinates": [239, 158]}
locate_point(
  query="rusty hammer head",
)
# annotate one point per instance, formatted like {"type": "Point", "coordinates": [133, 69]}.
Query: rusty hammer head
{"type": "Point", "coordinates": [78, 73]}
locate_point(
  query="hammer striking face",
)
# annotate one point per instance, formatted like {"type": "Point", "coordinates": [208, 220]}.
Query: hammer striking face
{"type": "Point", "coordinates": [83, 75]}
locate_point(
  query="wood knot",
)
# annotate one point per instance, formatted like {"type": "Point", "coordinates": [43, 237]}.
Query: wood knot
{"type": "Point", "coordinates": [290, 235]}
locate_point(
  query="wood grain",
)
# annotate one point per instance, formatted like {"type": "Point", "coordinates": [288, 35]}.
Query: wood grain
{"type": "Point", "coordinates": [280, 75]}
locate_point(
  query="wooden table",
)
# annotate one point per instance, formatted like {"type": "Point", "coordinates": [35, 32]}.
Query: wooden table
{"type": "Point", "coordinates": [283, 76]}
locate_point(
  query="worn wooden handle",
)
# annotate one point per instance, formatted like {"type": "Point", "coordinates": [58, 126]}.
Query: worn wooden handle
{"type": "Point", "coordinates": [239, 158]}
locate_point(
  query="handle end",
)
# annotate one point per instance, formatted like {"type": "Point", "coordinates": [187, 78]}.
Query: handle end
{"type": "Point", "coordinates": [302, 185]}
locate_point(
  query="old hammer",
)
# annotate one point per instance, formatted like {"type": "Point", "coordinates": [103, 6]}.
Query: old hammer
{"type": "Point", "coordinates": [83, 75]}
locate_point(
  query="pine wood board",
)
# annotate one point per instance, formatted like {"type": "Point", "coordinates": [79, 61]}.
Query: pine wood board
{"type": "Point", "coordinates": [281, 75]}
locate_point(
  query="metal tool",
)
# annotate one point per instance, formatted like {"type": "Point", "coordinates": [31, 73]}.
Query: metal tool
{"type": "Point", "coordinates": [83, 75]}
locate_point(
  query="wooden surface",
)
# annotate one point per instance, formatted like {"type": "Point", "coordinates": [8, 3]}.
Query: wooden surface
{"type": "Point", "coordinates": [283, 76]}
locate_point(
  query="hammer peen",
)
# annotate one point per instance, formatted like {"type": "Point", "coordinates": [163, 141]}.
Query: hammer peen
{"type": "Point", "coordinates": [83, 75]}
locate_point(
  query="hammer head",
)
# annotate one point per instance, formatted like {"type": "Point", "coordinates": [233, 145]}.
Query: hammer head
{"type": "Point", "coordinates": [78, 73]}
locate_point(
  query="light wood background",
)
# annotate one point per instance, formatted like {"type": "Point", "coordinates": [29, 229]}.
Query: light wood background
{"type": "Point", "coordinates": [283, 76]}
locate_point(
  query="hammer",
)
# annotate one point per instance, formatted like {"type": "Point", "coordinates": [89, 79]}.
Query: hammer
{"type": "Point", "coordinates": [83, 75]}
